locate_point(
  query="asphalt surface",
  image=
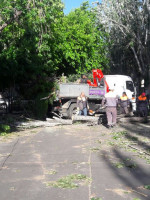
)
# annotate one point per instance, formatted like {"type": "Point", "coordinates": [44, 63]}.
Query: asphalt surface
{"type": "Point", "coordinates": [29, 163]}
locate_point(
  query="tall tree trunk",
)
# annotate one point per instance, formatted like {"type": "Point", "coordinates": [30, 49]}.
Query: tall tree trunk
{"type": "Point", "coordinates": [137, 60]}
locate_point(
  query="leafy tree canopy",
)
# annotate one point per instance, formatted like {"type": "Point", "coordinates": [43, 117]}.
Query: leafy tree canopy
{"type": "Point", "coordinates": [37, 41]}
{"type": "Point", "coordinates": [84, 44]}
{"type": "Point", "coordinates": [27, 42]}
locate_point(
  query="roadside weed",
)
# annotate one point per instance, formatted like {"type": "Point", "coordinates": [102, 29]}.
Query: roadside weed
{"type": "Point", "coordinates": [71, 181]}
{"type": "Point", "coordinates": [118, 135]}
{"type": "Point", "coordinates": [119, 165]}
{"type": "Point", "coordinates": [147, 187]}
{"type": "Point", "coordinates": [4, 129]}
{"type": "Point", "coordinates": [136, 199]}
{"type": "Point", "coordinates": [51, 172]}
{"type": "Point", "coordinates": [94, 149]}
{"type": "Point", "coordinates": [111, 143]}
{"type": "Point", "coordinates": [124, 164]}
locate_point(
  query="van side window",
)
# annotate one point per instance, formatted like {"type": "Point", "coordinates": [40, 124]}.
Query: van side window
{"type": "Point", "coordinates": [129, 86]}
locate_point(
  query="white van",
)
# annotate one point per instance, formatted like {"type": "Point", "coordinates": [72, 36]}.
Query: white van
{"type": "Point", "coordinates": [121, 84]}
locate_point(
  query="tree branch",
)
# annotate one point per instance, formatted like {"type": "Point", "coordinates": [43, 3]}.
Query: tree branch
{"type": "Point", "coordinates": [15, 17]}
{"type": "Point", "coordinates": [137, 60]}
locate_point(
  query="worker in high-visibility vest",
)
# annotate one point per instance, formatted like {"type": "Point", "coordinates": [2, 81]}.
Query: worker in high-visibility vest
{"type": "Point", "coordinates": [142, 104]}
{"type": "Point", "coordinates": [124, 103]}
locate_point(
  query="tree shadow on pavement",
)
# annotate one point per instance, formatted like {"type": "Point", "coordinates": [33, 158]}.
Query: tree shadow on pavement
{"type": "Point", "coordinates": [130, 167]}
{"type": "Point", "coordinates": [134, 176]}
{"type": "Point", "coordinates": [138, 133]}
{"type": "Point", "coordinates": [142, 129]}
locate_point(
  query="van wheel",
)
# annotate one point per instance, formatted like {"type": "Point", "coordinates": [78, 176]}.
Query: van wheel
{"type": "Point", "coordinates": [72, 110]}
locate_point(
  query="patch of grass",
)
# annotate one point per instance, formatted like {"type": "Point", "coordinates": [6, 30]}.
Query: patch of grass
{"type": "Point", "coordinates": [126, 192]}
{"type": "Point", "coordinates": [148, 161]}
{"type": "Point", "coordinates": [128, 159]}
{"type": "Point", "coordinates": [146, 158]}
{"type": "Point", "coordinates": [124, 164]}
{"type": "Point", "coordinates": [124, 140]}
{"type": "Point", "coordinates": [119, 165]}
{"type": "Point", "coordinates": [51, 172]}
{"type": "Point", "coordinates": [71, 181]}
{"type": "Point", "coordinates": [147, 187]}
{"type": "Point", "coordinates": [136, 199]}
{"type": "Point", "coordinates": [99, 142]}
{"type": "Point", "coordinates": [75, 162]}
{"type": "Point", "coordinates": [94, 149]}
{"type": "Point", "coordinates": [130, 149]}
{"type": "Point", "coordinates": [77, 122]}
{"type": "Point", "coordinates": [118, 135]}
{"type": "Point", "coordinates": [111, 143]}
{"type": "Point", "coordinates": [96, 198]}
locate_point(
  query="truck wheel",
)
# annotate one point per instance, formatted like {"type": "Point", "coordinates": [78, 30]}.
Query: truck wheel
{"type": "Point", "coordinates": [72, 110]}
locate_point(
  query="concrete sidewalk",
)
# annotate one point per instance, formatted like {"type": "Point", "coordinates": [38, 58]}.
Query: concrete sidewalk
{"type": "Point", "coordinates": [29, 164]}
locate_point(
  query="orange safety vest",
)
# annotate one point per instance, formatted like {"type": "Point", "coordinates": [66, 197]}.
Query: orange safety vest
{"type": "Point", "coordinates": [141, 98]}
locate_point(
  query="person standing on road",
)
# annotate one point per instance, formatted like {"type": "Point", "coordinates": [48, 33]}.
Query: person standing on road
{"type": "Point", "coordinates": [142, 104]}
{"type": "Point", "coordinates": [82, 104]}
{"type": "Point", "coordinates": [110, 100]}
{"type": "Point", "coordinates": [124, 102]}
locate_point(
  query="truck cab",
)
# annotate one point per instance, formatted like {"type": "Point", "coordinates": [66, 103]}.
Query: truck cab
{"type": "Point", "coordinates": [122, 83]}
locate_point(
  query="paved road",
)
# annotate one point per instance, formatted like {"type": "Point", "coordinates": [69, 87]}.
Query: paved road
{"type": "Point", "coordinates": [29, 163]}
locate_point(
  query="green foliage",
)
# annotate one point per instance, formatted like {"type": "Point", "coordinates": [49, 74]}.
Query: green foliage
{"type": "Point", "coordinates": [73, 77]}
{"type": "Point", "coordinates": [136, 199]}
{"type": "Point", "coordinates": [70, 182]}
{"type": "Point", "coordinates": [28, 44]}
{"type": "Point", "coordinates": [40, 107]}
{"type": "Point", "coordinates": [96, 198]}
{"type": "Point", "coordinates": [118, 135]}
{"type": "Point", "coordinates": [147, 187]}
{"type": "Point", "coordinates": [4, 129]}
{"type": "Point", "coordinates": [51, 172]}
{"type": "Point", "coordinates": [119, 165]}
{"type": "Point", "coordinates": [124, 164]}
{"type": "Point", "coordinates": [38, 42]}
{"type": "Point", "coordinates": [84, 44]}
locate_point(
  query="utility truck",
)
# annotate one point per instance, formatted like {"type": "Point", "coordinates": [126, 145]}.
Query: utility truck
{"type": "Point", "coordinates": [95, 91]}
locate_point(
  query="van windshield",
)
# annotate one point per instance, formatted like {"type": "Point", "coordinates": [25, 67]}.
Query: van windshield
{"type": "Point", "coordinates": [129, 86]}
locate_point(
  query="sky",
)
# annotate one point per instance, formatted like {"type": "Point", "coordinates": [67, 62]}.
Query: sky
{"type": "Point", "coordinates": [72, 4]}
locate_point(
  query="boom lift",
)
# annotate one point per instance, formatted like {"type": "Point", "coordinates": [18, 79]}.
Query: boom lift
{"type": "Point", "coordinates": [97, 77]}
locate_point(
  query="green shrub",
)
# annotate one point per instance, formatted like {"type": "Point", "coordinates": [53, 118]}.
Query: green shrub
{"type": "Point", "coordinates": [41, 107]}
{"type": "Point", "coordinates": [4, 129]}
{"type": "Point", "coordinates": [73, 77]}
